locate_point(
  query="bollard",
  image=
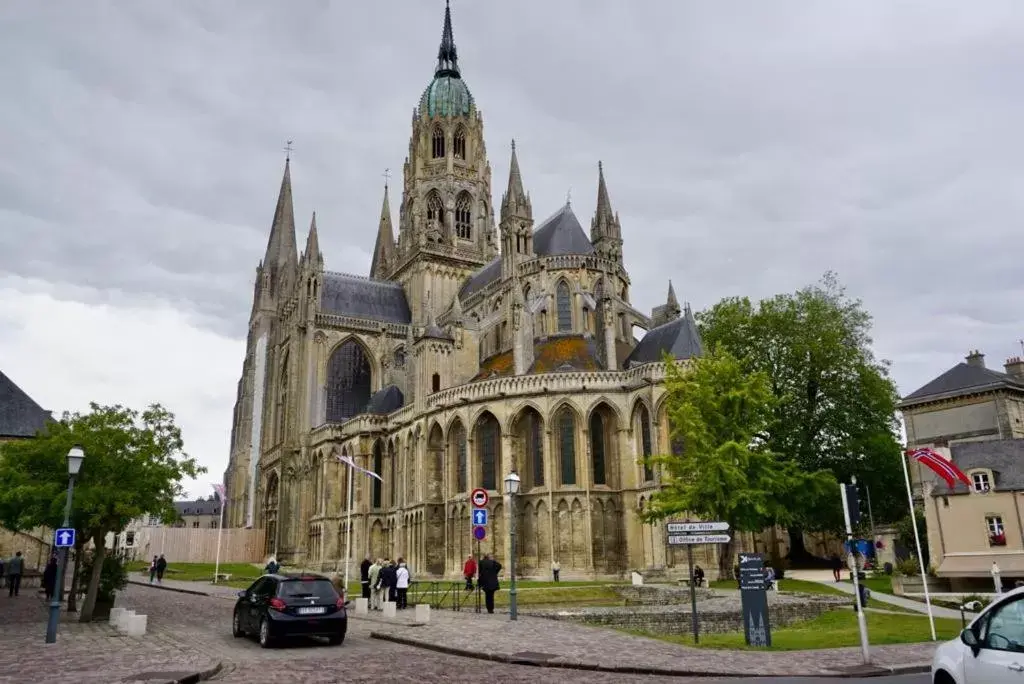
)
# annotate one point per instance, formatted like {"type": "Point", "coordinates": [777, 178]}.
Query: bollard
{"type": "Point", "coordinates": [137, 626]}
{"type": "Point", "coordinates": [115, 615]}
{"type": "Point", "coordinates": [390, 609]}
{"type": "Point", "coordinates": [423, 612]}
{"type": "Point", "coordinates": [362, 606]}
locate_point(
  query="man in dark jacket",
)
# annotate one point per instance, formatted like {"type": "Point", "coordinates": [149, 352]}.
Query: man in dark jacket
{"type": "Point", "coordinates": [389, 580]}
{"type": "Point", "coordinates": [364, 577]}
{"type": "Point", "coordinates": [487, 579]}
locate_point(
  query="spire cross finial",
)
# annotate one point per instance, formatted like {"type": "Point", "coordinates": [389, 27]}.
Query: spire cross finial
{"type": "Point", "coordinates": [387, 177]}
{"type": "Point", "coordinates": [288, 150]}
{"type": "Point", "coordinates": [1021, 346]}
{"type": "Point", "coordinates": [568, 196]}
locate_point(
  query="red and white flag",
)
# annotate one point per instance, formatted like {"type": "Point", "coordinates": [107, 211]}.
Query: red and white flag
{"type": "Point", "coordinates": [219, 489]}
{"type": "Point", "coordinates": [938, 464]}
{"type": "Point", "coordinates": [347, 460]}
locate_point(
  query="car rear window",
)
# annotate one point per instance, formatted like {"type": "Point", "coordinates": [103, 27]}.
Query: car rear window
{"type": "Point", "coordinates": [301, 588]}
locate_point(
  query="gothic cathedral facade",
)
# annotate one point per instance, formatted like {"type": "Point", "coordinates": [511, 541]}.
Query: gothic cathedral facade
{"type": "Point", "coordinates": [481, 343]}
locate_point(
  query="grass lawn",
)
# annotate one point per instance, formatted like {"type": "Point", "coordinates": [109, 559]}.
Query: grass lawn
{"type": "Point", "coordinates": [203, 572]}
{"type": "Point", "coordinates": [794, 585]}
{"type": "Point", "coordinates": [881, 585]}
{"type": "Point", "coordinates": [835, 629]}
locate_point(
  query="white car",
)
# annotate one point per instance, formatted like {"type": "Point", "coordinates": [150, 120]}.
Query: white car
{"type": "Point", "coordinates": [990, 650]}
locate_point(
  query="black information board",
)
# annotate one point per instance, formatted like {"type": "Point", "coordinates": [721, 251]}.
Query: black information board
{"type": "Point", "coordinates": [753, 594]}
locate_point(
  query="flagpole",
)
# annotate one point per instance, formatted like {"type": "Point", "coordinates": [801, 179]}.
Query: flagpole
{"type": "Point", "coordinates": [917, 541]}
{"type": "Point", "coordinates": [220, 532]}
{"type": "Point", "coordinates": [348, 529]}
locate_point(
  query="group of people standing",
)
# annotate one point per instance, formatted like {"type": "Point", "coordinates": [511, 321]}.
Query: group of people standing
{"type": "Point", "coordinates": [385, 580]}
{"type": "Point", "coordinates": [12, 570]}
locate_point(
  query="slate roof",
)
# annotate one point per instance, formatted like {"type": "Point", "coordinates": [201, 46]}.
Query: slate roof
{"type": "Point", "coordinates": [385, 401]}
{"type": "Point", "coordinates": [378, 300]}
{"type": "Point", "coordinates": [962, 378]}
{"type": "Point", "coordinates": [20, 415]}
{"type": "Point", "coordinates": [559, 234]}
{"type": "Point", "coordinates": [680, 338]}
{"type": "Point", "coordinates": [1004, 457]}
{"type": "Point", "coordinates": [201, 507]}
{"type": "Point", "coordinates": [565, 353]}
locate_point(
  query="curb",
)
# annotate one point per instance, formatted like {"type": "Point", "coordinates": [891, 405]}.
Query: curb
{"type": "Point", "coordinates": [176, 589]}
{"type": "Point", "coordinates": [653, 671]}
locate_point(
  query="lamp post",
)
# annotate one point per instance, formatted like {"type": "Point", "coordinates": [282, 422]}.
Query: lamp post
{"type": "Point", "coordinates": [74, 458]}
{"type": "Point", "coordinates": [512, 483]}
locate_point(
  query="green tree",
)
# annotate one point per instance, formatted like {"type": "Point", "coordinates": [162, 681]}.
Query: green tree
{"type": "Point", "coordinates": [835, 405]}
{"type": "Point", "coordinates": [720, 413]}
{"type": "Point", "coordinates": [133, 466]}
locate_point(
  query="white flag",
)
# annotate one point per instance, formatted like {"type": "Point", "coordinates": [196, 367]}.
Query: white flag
{"type": "Point", "coordinates": [347, 460]}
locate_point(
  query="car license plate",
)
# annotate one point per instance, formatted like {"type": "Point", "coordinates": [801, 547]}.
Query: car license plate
{"type": "Point", "coordinates": [311, 610]}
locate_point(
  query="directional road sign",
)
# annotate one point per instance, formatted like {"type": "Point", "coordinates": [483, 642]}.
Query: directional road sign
{"type": "Point", "coordinates": [479, 533]}
{"type": "Point", "coordinates": [479, 498]}
{"type": "Point", "coordinates": [685, 539]}
{"type": "Point", "coordinates": [691, 527]}
{"type": "Point", "coordinates": [479, 516]}
{"type": "Point", "coordinates": [64, 537]}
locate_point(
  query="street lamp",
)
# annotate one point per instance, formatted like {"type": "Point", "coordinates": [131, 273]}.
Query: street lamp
{"type": "Point", "coordinates": [74, 458]}
{"type": "Point", "coordinates": [512, 483]}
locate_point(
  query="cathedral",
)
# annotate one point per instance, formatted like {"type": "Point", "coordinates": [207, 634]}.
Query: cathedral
{"type": "Point", "coordinates": [482, 342]}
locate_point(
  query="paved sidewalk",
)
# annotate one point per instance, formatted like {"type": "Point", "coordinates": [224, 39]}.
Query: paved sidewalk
{"type": "Point", "coordinates": [908, 604]}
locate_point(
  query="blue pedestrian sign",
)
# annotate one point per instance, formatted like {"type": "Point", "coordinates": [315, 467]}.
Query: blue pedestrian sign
{"type": "Point", "coordinates": [479, 516]}
{"type": "Point", "coordinates": [64, 537]}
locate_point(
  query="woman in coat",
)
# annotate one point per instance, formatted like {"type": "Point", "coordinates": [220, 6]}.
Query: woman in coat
{"type": "Point", "coordinates": [50, 577]}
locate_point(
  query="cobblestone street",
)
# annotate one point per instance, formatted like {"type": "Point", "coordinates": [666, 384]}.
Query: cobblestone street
{"type": "Point", "coordinates": [192, 633]}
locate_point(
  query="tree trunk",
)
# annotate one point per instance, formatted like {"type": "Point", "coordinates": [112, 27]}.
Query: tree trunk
{"type": "Point", "coordinates": [725, 560]}
{"type": "Point", "coordinates": [99, 553]}
{"type": "Point", "coordinates": [73, 590]}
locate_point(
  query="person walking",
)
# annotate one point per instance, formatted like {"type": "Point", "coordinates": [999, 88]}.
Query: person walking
{"type": "Point", "coordinates": [50, 577]}
{"type": "Point", "coordinates": [556, 568]}
{"type": "Point", "coordinates": [1, 573]}
{"type": "Point", "coordinates": [15, 568]}
{"type": "Point", "coordinates": [364, 576]}
{"type": "Point", "coordinates": [402, 584]}
{"type": "Point", "coordinates": [837, 567]}
{"type": "Point", "coordinates": [377, 597]}
{"type": "Point", "coordinates": [488, 580]}
{"type": "Point", "coordinates": [161, 568]}
{"type": "Point", "coordinates": [152, 570]}
{"type": "Point", "coordinates": [469, 571]}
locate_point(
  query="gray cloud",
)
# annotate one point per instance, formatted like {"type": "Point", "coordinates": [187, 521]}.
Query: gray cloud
{"type": "Point", "coordinates": [748, 146]}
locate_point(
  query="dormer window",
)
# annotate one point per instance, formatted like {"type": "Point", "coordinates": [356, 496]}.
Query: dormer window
{"type": "Point", "coordinates": [981, 482]}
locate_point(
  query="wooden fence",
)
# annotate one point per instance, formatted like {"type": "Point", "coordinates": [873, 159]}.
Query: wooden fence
{"type": "Point", "coordinates": [197, 545]}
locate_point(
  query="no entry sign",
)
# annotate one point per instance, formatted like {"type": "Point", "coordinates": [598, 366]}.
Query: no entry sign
{"type": "Point", "coordinates": [479, 497]}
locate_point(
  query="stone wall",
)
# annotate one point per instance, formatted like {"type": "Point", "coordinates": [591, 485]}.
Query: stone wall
{"type": "Point", "coordinates": [657, 596]}
{"type": "Point", "coordinates": [34, 546]}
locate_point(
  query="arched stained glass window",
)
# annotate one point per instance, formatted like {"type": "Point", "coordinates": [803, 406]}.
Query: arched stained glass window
{"type": "Point", "coordinates": [376, 493]}
{"type": "Point", "coordinates": [459, 440]}
{"type": "Point", "coordinates": [563, 301]}
{"type": "Point", "coordinates": [567, 446]}
{"type": "Point", "coordinates": [348, 382]}
{"type": "Point", "coordinates": [645, 443]}
{"type": "Point", "coordinates": [488, 434]}
{"type": "Point", "coordinates": [597, 448]}
{"type": "Point", "coordinates": [437, 143]}
{"type": "Point", "coordinates": [464, 217]}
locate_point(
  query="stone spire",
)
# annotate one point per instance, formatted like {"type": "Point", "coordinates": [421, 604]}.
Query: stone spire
{"type": "Point", "coordinates": [447, 55]}
{"type": "Point", "coordinates": [515, 201]}
{"type": "Point", "coordinates": [281, 260]}
{"type": "Point", "coordinates": [669, 311]}
{"type": "Point", "coordinates": [456, 311]}
{"type": "Point", "coordinates": [605, 230]}
{"type": "Point", "coordinates": [312, 254]}
{"type": "Point", "coordinates": [384, 250]}
{"type": "Point", "coordinates": [671, 300]}
{"type": "Point", "coordinates": [516, 220]}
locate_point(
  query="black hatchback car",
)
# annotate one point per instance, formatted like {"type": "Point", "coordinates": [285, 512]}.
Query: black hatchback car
{"type": "Point", "coordinates": [281, 606]}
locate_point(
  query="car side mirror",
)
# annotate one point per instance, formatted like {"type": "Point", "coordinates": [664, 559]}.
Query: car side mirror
{"type": "Point", "coordinates": [243, 594]}
{"type": "Point", "coordinates": [971, 639]}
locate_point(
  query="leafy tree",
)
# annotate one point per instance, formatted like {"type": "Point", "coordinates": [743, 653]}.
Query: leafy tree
{"type": "Point", "coordinates": [133, 465]}
{"type": "Point", "coordinates": [726, 471]}
{"type": "Point", "coordinates": [835, 404]}
{"type": "Point", "coordinates": [905, 533]}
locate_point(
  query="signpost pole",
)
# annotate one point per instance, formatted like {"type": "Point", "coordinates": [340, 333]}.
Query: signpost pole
{"type": "Point", "coordinates": [478, 576]}
{"type": "Point", "coordinates": [693, 593]}
{"type": "Point", "coordinates": [62, 562]}
{"type": "Point", "coordinates": [862, 624]}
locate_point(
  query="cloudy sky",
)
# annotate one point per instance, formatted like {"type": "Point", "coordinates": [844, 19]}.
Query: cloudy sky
{"type": "Point", "coordinates": [748, 146]}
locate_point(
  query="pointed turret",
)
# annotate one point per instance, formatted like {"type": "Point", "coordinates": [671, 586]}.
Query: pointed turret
{"type": "Point", "coordinates": [447, 55]}
{"type": "Point", "coordinates": [605, 230]}
{"type": "Point", "coordinates": [669, 311]}
{"type": "Point", "coordinates": [516, 220]}
{"type": "Point", "coordinates": [384, 250]}
{"type": "Point", "coordinates": [281, 260]}
{"type": "Point", "coordinates": [312, 255]}
{"type": "Point", "coordinates": [515, 202]}
{"type": "Point", "coordinates": [456, 311]}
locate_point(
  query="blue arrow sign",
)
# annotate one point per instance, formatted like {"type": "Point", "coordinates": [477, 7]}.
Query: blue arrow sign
{"type": "Point", "coordinates": [479, 516]}
{"type": "Point", "coordinates": [64, 537]}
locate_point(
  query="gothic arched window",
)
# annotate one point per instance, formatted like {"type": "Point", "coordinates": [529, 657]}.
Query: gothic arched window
{"type": "Point", "coordinates": [400, 357]}
{"type": "Point", "coordinates": [488, 446]}
{"type": "Point", "coordinates": [435, 209]}
{"type": "Point", "coordinates": [567, 446]}
{"type": "Point", "coordinates": [348, 382]}
{"type": "Point", "coordinates": [535, 448]}
{"type": "Point", "coordinates": [597, 448]}
{"type": "Point", "coordinates": [459, 143]}
{"type": "Point", "coordinates": [393, 471]}
{"type": "Point", "coordinates": [437, 141]}
{"type": "Point", "coordinates": [645, 443]}
{"type": "Point", "coordinates": [376, 491]}
{"type": "Point", "coordinates": [459, 443]}
{"type": "Point", "coordinates": [282, 403]}
{"type": "Point", "coordinates": [464, 217]}
{"type": "Point", "coordinates": [563, 302]}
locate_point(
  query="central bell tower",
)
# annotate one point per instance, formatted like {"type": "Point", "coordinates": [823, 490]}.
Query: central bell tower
{"type": "Point", "coordinates": [446, 221]}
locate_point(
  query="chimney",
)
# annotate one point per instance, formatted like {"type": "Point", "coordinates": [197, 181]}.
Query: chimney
{"type": "Point", "coordinates": [976, 359]}
{"type": "Point", "coordinates": [1015, 367]}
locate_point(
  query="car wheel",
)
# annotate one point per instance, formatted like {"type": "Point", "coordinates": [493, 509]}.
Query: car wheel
{"type": "Point", "coordinates": [943, 677]}
{"type": "Point", "coordinates": [336, 640]}
{"type": "Point", "coordinates": [236, 626]}
{"type": "Point", "coordinates": [265, 640]}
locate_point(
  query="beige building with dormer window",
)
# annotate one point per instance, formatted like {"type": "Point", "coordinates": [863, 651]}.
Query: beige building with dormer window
{"type": "Point", "coordinates": [970, 527]}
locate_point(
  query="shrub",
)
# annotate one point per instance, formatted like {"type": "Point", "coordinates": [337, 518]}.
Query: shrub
{"type": "Point", "coordinates": [113, 576]}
